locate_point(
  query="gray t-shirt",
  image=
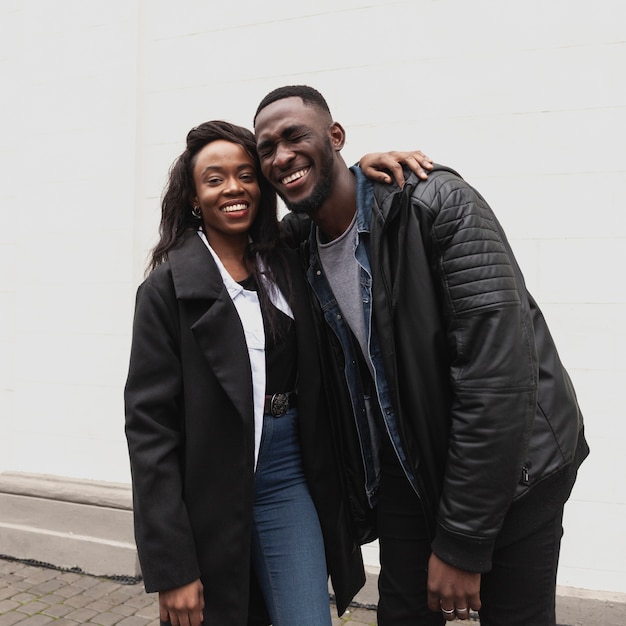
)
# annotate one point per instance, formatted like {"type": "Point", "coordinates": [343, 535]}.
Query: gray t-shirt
{"type": "Point", "coordinates": [344, 277]}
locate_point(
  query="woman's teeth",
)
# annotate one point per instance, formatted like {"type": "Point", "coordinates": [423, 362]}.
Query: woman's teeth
{"type": "Point", "coordinates": [234, 207]}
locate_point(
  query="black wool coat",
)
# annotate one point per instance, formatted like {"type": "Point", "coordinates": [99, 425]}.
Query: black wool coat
{"type": "Point", "coordinates": [190, 433]}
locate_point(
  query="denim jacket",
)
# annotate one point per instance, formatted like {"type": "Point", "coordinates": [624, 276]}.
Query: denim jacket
{"type": "Point", "coordinates": [371, 414]}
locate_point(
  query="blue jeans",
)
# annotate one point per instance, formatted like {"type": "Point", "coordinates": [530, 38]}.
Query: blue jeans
{"type": "Point", "coordinates": [287, 544]}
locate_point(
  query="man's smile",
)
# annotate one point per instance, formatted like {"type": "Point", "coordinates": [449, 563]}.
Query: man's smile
{"type": "Point", "coordinates": [295, 175]}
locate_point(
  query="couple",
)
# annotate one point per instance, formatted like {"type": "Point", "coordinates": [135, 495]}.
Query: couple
{"type": "Point", "coordinates": [414, 356]}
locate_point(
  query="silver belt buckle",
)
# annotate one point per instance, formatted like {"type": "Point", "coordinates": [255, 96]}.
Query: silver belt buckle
{"type": "Point", "coordinates": [279, 404]}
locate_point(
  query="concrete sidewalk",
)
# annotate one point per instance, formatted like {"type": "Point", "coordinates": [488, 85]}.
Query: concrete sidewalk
{"type": "Point", "coordinates": [31, 595]}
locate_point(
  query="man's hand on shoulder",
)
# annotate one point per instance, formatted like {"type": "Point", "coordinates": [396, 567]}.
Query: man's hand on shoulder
{"type": "Point", "coordinates": [451, 590]}
{"type": "Point", "coordinates": [381, 166]}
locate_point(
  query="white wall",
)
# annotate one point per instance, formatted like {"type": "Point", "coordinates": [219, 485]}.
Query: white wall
{"type": "Point", "coordinates": [526, 99]}
{"type": "Point", "coordinates": [68, 160]}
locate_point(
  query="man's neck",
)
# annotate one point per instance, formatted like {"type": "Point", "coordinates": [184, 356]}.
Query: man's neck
{"type": "Point", "coordinates": [336, 214]}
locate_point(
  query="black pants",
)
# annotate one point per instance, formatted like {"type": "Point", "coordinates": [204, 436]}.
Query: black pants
{"type": "Point", "coordinates": [519, 590]}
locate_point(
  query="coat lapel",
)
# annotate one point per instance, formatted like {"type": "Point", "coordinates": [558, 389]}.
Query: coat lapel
{"type": "Point", "coordinates": [309, 375]}
{"type": "Point", "coordinates": [215, 323]}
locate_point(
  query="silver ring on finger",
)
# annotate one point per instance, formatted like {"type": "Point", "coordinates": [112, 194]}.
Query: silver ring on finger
{"type": "Point", "coordinates": [448, 611]}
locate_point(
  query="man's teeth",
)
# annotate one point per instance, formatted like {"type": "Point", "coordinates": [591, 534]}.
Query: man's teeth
{"type": "Point", "coordinates": [294, 176]}
{"type": "Point", "coordinates": [234, 207]}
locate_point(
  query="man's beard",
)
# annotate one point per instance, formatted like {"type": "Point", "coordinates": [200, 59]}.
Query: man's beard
{"type": "Point", "coordinates": [321, 191]}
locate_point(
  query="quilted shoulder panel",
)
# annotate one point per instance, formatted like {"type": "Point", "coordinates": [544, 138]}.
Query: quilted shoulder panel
{"type": "Point", "coordinates": [474, 261]}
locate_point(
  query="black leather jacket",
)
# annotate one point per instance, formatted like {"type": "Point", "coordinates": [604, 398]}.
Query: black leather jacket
{"type": "Point", "coordinates": [486, 410]}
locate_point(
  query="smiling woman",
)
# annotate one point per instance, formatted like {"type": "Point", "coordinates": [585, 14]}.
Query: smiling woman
{"type": "Point", "coordinates": [227, 199]}
{"type": "Point", "coordinates": [235, 483]}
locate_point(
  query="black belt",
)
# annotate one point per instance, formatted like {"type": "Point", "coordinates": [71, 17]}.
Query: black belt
{"type": "Point", "coordinates": [279, 403]}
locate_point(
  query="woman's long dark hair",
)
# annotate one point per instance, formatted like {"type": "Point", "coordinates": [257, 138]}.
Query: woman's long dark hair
{"type": "Point", "coordinates": [176, 207]}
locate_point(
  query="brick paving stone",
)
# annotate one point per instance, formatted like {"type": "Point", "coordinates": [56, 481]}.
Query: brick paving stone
{"type": "Point", "coordinates": [103, 588]}
{"type": "Point", "coordinates": [20, 583]}
{"type": "Point", "coordinates": [124, 610]}
{"type": "Point", "coordinates": [46, 587]}
{"type": "Point", "coordinates": [106, 619]}
{"type": "Point", "coordinates": [139, 592]}
{"type": "Point", "coordinates": [29, 572]}
{"type": "Point", "coordinates": [149, 611]}
{"type": "Point", "coordinates": [9, 619]}
{"type": "Point", "coordinates": [70, 577]}
{"type": "Point", "coordinates": [12, 568]}
{"type": "Point", "coordinates": [79, 601]}
{"type": "Point", "coordinates": [12, 577]}
{"type": "Point", "coordinates": [82, 616]}
{"type": "Point", "coordinates": [23, 597]}
{"type": "Point", "coordinates": [8, 605]}
{"type": "Point", "coordinates": [58, 610]}
{"type": "Point", "coordinates": [51, 598]}
{"type": "Point", "coordinates": [135, 590]}
{"type": "Point", "coordinates": [30, 608]}
{"type": "Point", "coordinates": [42, 574]}
{"type": "Point", "coordinates": [37, 576]}
{"type": "Point", "coordinates": [25, 569]}
{"type": "Point", "coordinates": [101, 605]}
{"type": "Point", "coordinates": [68, 591]}
{"type": "Point", "coordinates": [121, 590]}
{"type": "Point", "coordinates": [37, 620]}
{"type": "Point", "coordinates": [140, 602]}
{"type": "Point", "coordinates": [86, 582]}
{"type": "Point", "coordinates": [133, 621]}
{"type": "Point", "coordinates": [6, 592]}
{"type": "Point", "coordinates": [120, 595]}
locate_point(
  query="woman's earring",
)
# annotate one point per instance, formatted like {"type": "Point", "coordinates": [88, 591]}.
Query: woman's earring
{"type": "Point", "coordinates": [196, 212]}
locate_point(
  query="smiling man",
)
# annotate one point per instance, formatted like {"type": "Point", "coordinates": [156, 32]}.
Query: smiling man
{"type": "Point", "coordinates": [465, 421]}
{"type": "Point", "coordinates": [298, 145]}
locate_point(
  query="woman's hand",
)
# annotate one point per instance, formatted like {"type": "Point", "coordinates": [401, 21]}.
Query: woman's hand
{"type": "Point", "coordinates": [379, 165]}
{"type": "Point", "coordinates": [183, 606]}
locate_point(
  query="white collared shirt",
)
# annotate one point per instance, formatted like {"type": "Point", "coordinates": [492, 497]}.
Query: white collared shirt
{"type": "Point", "coordinates": [249, 311]}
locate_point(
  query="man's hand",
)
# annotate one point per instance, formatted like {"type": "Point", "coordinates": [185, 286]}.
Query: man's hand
{"type": "Point", "coordinates": [182, 606]}
{"type": "Point", "coordinates": [378, 165]}
{"type": "Point", "coordinates": [452, 591]}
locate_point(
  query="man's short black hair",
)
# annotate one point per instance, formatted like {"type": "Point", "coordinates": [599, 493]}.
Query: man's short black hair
{"type": "Point", "coordinates": [309, 96]}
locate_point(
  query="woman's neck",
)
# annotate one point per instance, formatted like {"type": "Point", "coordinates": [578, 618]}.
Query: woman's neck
{"type": "Point", "coordinates": [232, 254]}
